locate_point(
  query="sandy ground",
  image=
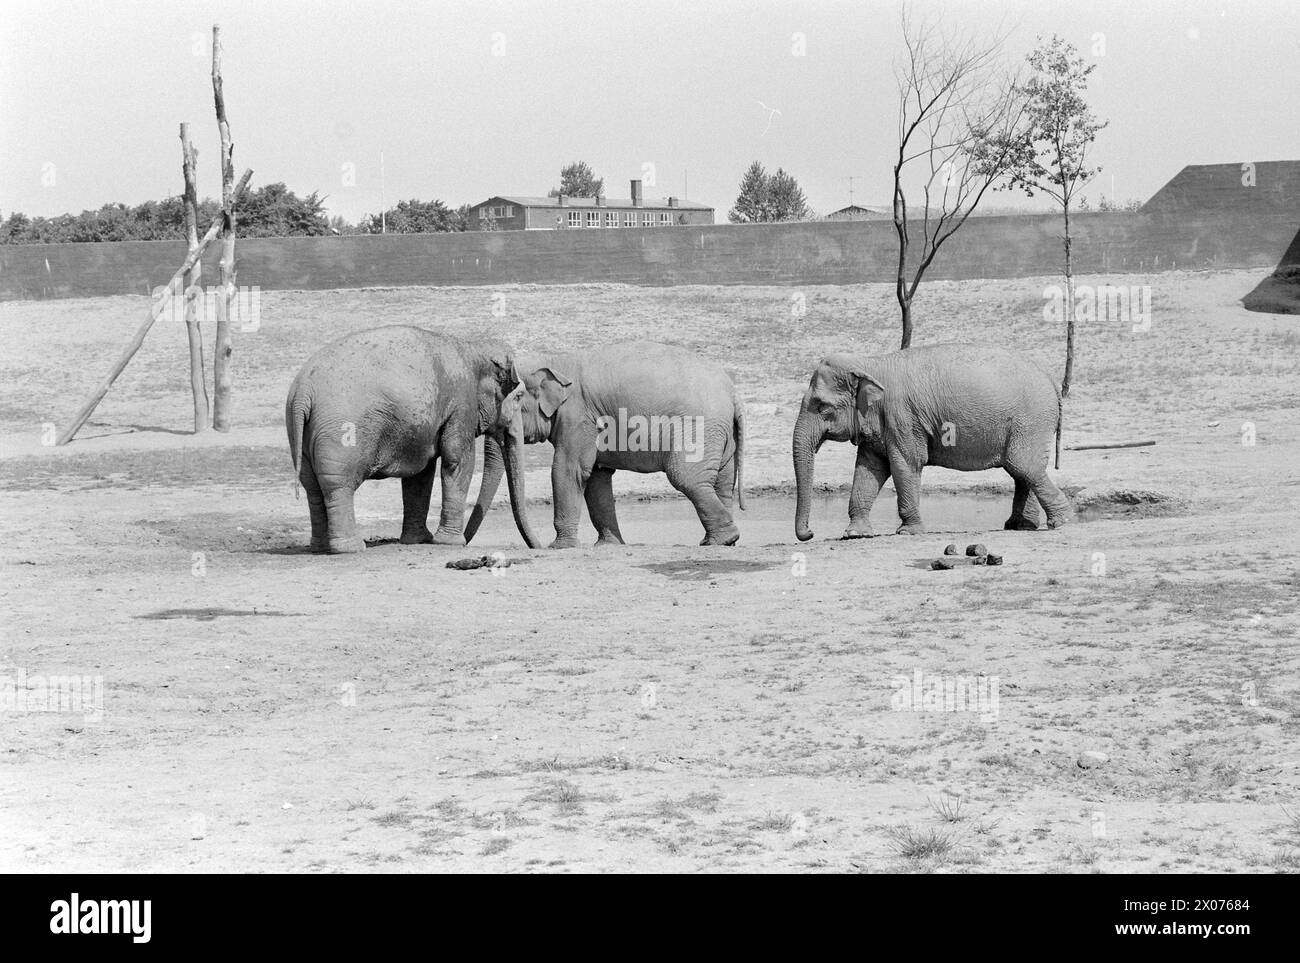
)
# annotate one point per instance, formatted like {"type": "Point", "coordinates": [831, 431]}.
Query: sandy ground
{"type": "Point", "coordinates": [661, 706]}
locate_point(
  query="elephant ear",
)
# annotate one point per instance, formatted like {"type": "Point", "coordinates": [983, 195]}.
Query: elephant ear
{"type": "Point", "coordinates": [506, 369]}
{"type": "Point", "coordinates": [869, 391]}
{"type": "Point", "coordinates": [548, 382]}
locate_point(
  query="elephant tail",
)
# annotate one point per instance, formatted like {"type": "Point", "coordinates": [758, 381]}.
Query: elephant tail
{"type": "Point", "coordinates": [1059, 418]}
{"type": "Point", "coordinates": [295, 417]}
{"type": "Point", "coordinates": [739, 425]}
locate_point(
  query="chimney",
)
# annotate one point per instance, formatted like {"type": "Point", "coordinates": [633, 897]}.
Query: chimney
{"type": "Point", "coordinates": [636, 193]}
{"type": "Point", "coordinates": [672, 202]}
{"type": "Point", "coordinates": [600, 201]}
{"type": "Point", "coordinates": [562, 200]}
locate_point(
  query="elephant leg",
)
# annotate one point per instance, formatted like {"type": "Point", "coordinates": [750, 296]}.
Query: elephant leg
{"type": "Point", "coordinates": [416, 491]}
{"type": "Point", "coordinates": [701, 489]}
{"type": "Point", "coordinates": [1032, 471]}
{"type": "Point", "coordinates": [869, 473]}
{"type": "Point", "coordinates": [600, 506]}
{"type": "Point", "coordinates": [316, 505]}
{"type": "Point", "coordinates": [341, 520]}
{"type": "Point", "coordinates": [569, 476]}
{"type": "Point", "coordinates": [1053, 500]}
{"type": "Point", "coordinates": [907, 482]}
{"type": "Point", "coordinates": [457, 470]}
{"type": "Point", "coordinates": [1024, 507]}
{"type": "Point", "coordinates": [724, 486]}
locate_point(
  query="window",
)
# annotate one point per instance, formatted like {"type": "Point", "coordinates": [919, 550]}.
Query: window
{"type": "Point", "coordinates": [629, 218]}
{"type": "Point", "coordinates": [647, 220]}
{"type": "Point", "coordinates": [611, 218]}
{"type": "Point", "coordinates": [496, 211]}
{"type": "Point", "coordinates": [593, 218]}
{"type": "Point", "coordinates": [575, 219]}
{"type": "Point", "coordinates": [665, 219]}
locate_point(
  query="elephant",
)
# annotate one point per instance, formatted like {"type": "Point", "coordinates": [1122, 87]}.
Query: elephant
{"type": "Point", "coordinates": [639, 407]}
{"type": "Point", "coordinates": [963, 406]}
{"type": "Point", "coordinates": [396, 402]}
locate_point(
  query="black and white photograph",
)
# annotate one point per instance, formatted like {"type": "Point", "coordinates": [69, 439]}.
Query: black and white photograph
{"type": "Point", "coordinates": [658, 437]}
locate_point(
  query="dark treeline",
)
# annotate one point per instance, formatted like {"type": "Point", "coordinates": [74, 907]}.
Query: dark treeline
{"type": "Point", "coordinates": [269, 211]}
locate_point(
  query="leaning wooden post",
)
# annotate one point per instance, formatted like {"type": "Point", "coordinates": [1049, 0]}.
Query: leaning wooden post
{"type": "Point", "coordinates": [194, 286]}
{"type": "Point", "coordinates": [160, 304]}
{"type": "Point", "coordinates": [226, 303]}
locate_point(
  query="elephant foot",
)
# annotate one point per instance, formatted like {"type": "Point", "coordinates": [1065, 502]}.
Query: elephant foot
{"type": "Point", "coordinates": [1020, 524]}
{"type": "Point", "coordinates": [347, 546]}
{"type": "Point", "coordinates": [424, 537]}
{"type": "Point", "coordinates": [1058, 522]}
{"type": "Point", "coordinates": [856, 530]}
{"type": "Point", "coordinates": [910, 528]}
{"type": "Point", "coordinates": [320, 545]}
{"type": "Point", "coordinates": [568, 541]}
{"type": "Point", "coordinates": [608, 538]}
{"type": "Point", "coordinates": [444, 537]}
{"type": "Point", "coordinates": [723, 536]}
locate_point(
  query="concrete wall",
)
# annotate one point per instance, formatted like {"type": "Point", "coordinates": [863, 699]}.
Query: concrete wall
{"type": "Point", "coordinates": [1173, 236]}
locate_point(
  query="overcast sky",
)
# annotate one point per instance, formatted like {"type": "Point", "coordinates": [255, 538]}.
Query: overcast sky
{"type": "Point", "coordinates": [470, 99]}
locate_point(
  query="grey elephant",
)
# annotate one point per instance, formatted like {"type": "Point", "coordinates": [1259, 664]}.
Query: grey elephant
{"type": "Point", "coordinates": [639, 407]}
{"type": "Point", "coordinates": [401, 402]}
{"type": "Point", "coordinates": [963, 406]}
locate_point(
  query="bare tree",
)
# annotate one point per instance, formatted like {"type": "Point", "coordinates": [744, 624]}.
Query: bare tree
{"type": "Point", "coordinates": [958, 110]}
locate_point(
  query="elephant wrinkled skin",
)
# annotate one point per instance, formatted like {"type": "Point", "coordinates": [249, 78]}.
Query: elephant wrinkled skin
{"type": "Point", "coordinates": [639, 407]}
{"type": "Point", "coordinates": [401, 402]}
{"type": "Point", "coordinates": [962, 406]}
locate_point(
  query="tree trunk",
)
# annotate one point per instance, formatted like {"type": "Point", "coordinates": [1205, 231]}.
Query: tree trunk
{"type": "Point", "coordinates": [155, 312]}
{"type": "Point", "coordinates": [194, 286]}
{"type": "Point", "coordinates": [907, 324]}
{"type": "Point", "coordinates": [1069, 310]}
{"type": "Point", "coordinates": [221, 380]}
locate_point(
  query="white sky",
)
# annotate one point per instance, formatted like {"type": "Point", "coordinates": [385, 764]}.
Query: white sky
{"type": "Point", "coordinates": [98, 90]}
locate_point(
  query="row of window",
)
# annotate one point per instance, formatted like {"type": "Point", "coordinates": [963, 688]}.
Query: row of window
{"type": "Point", "coordinates": [501, 210]}
{"type": "Point", "coordinates": [612, 218]}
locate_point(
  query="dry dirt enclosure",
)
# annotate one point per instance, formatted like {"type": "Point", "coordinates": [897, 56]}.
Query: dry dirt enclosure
{"type": "Point", "coordinates": [661, 706]}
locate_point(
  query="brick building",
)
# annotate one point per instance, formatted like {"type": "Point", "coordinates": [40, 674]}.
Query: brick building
{"type": "Point", "coordinates": [509, 213]}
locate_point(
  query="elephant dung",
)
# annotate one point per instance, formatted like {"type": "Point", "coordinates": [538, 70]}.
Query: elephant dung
{"type": "Point", "coordinates": [992, 559]}
{"type": "Point", "coordinates": [483, 561]}
{"type": "Point", "coordinates": [941, 564]}
{"type": "Point", "coordinates": [976, 549]}
{"type": "Point", "coordinates": [1092, 759]}
{"type": "Point", "coordinates": [950, 549]}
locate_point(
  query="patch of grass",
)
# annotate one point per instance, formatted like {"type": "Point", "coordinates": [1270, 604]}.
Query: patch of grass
{"type": "Point", "coordinates": [928, 844]}
{"type": "Point", "coordinates": [775, 823]}
{"type": "Point", "coordinates": [351, 805]}
{"type": "Point", "coordinates": [495, 846]}
{"type": "Point", "coordinates": [393, 820]}
{"type": "Point", "coordinates": [948, 808]}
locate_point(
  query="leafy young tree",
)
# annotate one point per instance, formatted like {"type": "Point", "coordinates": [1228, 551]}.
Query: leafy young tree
{"type": "Point", "coordinates": [768, 197]}
{"type": "Point", "coordinates": [958, 116]}
{"type": "Point", "coordinates": [578, 180]}
{"type": "Point", "coordinates": [752, 203]}
{"type": "Point", "coordinates": [1061, 129]}
{"type": "Point", "coordinates": [787, 198]}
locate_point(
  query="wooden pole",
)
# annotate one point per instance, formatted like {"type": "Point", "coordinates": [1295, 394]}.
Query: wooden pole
{"type": "Point", "coordinates": [1117, 444]}
{"type": "Point", "coordinates": [226, 303]}
{"type": "Point", "coordinates": [194, 286]}
{"type": "Point", "coordinates": [155, 312]}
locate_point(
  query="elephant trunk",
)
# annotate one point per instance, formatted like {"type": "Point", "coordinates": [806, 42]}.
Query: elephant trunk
{"type": "Point", "coordinates": [494, 467]}
{"type": "Point", "coordinates": [515, 481]}
{"type": "Point", "coordinates": [808, 431]}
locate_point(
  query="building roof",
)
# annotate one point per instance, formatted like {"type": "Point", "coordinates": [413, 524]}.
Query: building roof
{"type": "Point", "coordinates": [569, 202]}
{"type": "Point", "coordinates": [856, 210]}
